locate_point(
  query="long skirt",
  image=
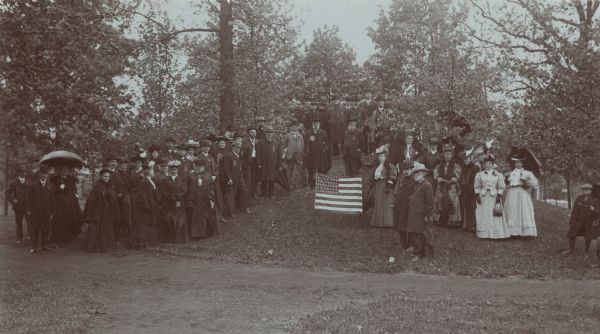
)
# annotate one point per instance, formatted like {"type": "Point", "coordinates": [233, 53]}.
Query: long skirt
{"type": "Point", "coordinates": [447, 205]}
{"type": "Point", "coordinates": [67, 220]}
{"type": "Point", "coordinates": [488, 225]}
{"type": "Point", "coordinates": [100, 237]}
{"type": "Point", "coordinates": [177, 225]}
{"type": "Point", "coordinates": [519, 212]}
{"type": "Point", "coordinates": [203, 222]}
{"type": "Point", "coordinates": [383, 213]}
{"type": "Point", "coordinates": [468, 204]}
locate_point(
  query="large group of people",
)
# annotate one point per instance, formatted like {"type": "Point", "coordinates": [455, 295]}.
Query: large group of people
{"type": "Point", "coordinates": [176, 193]}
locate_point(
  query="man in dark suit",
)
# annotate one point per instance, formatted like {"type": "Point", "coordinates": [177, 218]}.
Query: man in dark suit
{"type": "Point", "coordinates": [235, 187]}
{"type": "Point", "coordinates": [249, 145]}
{"type": "Point", "coordinates": [16, 195]}
{"type": "Point", "coordinates": [172, 194]}
{"type": "Point", "coordinates": [352, 150]}
{"type": "Point", "coordinates": [293, 154]}
{"type": "Point", "coordinates": [40, 209]}
{"type": "Point", "coordinates": [316, 148]}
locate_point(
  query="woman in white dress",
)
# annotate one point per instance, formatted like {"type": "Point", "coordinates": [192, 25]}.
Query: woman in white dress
{"type": "Point", "coordinates": [518, 204]}
{"type": "Point", "coordinates": [489, 187]}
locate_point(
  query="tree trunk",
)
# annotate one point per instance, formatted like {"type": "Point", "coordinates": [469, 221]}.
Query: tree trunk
{"type": "Point", "coordinates": [6, 177]}
{"type": "Point", "coordinates": [569, 190]}
{"type": "Point", "coordinates": [226, 48]}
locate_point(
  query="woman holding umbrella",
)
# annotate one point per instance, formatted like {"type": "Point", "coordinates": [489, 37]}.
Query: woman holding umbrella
{"type": "Point", "coordinates": [66, 225]}
{"type": "Point", "coordinates": [518, 205]}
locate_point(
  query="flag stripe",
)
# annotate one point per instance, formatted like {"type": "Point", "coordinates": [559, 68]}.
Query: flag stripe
{"type": "Point", "coordinates": [353, 185]}
{"type": "Point", "coordinates": [349, 197]}
{"type": "Point", "coordinates": [323, 201]}
{"type": "Point", "coordinates": [336, 209]}
{"type": "Point", "coordinates": [354, 180]}
{"type": "Point", "coordinates": [357, 191]}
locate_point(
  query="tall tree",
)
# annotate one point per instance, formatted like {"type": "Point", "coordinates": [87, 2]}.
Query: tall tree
{"type": "Point", "coordinates": [425, 63]}
{"type": "Point", "coordinates": [58, 64]}
{"type": "Point", "coordinates": [550, 51]}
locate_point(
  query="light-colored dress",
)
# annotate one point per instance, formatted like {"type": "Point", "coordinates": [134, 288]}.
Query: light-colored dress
{"type": "Point", "coordinates": [383, 196]}
{"type": "Point", "coordinates": [488, 185]}
{"type": "Point", "coordinates": [518, 205]}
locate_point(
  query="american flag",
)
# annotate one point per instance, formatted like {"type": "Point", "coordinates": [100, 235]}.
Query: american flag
{"type": "Point", "coordinates": [338, 194]}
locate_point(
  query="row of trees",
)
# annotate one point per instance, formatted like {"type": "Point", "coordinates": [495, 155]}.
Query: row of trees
{"type": "Point", "coordinates": [107, 71]}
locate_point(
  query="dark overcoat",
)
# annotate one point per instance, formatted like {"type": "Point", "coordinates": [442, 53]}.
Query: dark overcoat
{"type": "Point", "coordinates": [316, 146]}
{"type": "Point", "coordinates": [41, 205]}
{"type": "Point", "coordinates": [406, 187]}
{"type": "Point", "coordinates": [18, 191]}
{"type": "Point", "coordinates": [268, 159]}
{"type": "Point", "coordinates": [420, 205]}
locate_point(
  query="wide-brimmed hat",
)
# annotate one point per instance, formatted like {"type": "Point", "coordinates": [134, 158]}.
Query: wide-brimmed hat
{"type": "Point", "coordinates": [489, 157]}
{"type": "Point", "coordinates": [293, 122]}
{"type": "Point", "coordinates": [21, 169]}
{"type": "Point", "coordinates": [205, 143]}
{"type": "Point", "coordinates": [236, 144]}
{"type": "Point", "coordinates": [192, 143]}
{"type": "Point", "coordinates": [381, 150]}
{"type": "Point", "coordinates": [260, 119]}
{"type": "Point", "coordinates": [586, 186]}
{"type": "Point", "coordinates": [517, 157]}
{"type": "Point", "coordinates": [174, 163]}
{"type": "Point", "coordinates": [407, 165]}
{"type": "Point", "coordinates": [44, 169]}
{"type": "Point", "coordinates": [154, 147]}
{"type": "Point", "coordinates": [419, 167]}
{"type": "Point", "coordinates": [448, 147]}
{"type": "Point", "coordinates": [268, 128]}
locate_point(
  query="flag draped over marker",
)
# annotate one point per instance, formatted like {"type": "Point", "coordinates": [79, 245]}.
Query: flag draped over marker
{"type": "Point", "coordinates": [338, 194]}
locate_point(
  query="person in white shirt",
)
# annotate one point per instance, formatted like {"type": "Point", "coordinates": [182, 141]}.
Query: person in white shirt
{"type": "Point", "coordinates": [518, 205]}
{"type": "Point", "coordinates": [489, 188]}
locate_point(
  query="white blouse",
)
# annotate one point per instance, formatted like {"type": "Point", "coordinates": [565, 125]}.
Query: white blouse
{"type": "Point", "coordinates": [379, 172]}
{"type": "Point", "coordinates": [521, 177]}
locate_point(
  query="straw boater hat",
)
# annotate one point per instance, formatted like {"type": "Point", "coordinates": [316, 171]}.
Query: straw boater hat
{"type": "Point", "coordinates": [174, 163]}
{"type": "Point", "coordinates": [269, 128]}
{"type": "Point", "coordinates": [586, 186]}
{"type": "Point", "coordinates": [192, 144]}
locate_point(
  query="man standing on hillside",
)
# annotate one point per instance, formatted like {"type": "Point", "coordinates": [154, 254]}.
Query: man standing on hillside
{"type": "Point", "coordinates": [316, 152]}
{"type": "Point", "coordinates": [16, 195]}
{"type": "Point", "coordinates": [293, 154]}
{"type": "Point", "coordinates": [40, 209]}
{"type": "Point", "coordinates": [352, 150]}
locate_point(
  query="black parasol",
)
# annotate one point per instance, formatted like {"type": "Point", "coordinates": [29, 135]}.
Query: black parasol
{"type": "Point", "coordinates": [530, 161]}
{"type": "Point", "coordinates": [62, 159]}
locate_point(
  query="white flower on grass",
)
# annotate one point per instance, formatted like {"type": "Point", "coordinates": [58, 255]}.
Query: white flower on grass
{"type": "Point", "coordinates": [270, 252]}
{"type": "Point", "coordinates": [392, 259]}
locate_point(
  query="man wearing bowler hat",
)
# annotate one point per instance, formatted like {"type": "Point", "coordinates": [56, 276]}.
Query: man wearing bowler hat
{"type": "Point", "coordinates": [40, 209]}
{"type": "Point", "coordinates": [16, 195]}
{"type": "Point", "coordinates": [293, 154]}
{"type": "Point", "coordinates": [352, 149]}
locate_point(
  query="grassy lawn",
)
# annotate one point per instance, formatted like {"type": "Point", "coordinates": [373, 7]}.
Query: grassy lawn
{"type": "Point", "coordinates": [288, 226]}
{"type": "Point", "coordinates": [38, 306]}
{"type": "Point", "coordinates": [297, 237]}
{"type": "Point", "coordinates": [452, 314]}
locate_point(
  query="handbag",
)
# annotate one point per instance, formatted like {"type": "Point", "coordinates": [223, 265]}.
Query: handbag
{"type": "Point", "coordinates": [498, 210]}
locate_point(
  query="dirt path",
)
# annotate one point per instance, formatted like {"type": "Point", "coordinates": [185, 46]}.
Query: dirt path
{"type": "Point", "coordinates": [147, 294]}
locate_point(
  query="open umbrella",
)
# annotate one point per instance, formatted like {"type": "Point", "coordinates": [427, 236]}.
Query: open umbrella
{"type": "Point", "coordinates": [530, 162]}
{"type": "Point", "coordinates": [62, 159]}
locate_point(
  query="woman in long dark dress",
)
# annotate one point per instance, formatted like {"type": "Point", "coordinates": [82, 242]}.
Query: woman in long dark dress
{"type": "Point", "coordinates": [384, 177]}
{"type": "Point", "coordinates": [101, 213]}
{"type": "Point", "coordinates": [145, 211]}
{"type": "Point", "coordinates": [66, 223]}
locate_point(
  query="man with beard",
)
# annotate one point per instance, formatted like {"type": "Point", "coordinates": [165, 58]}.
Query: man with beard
{"type": "Point", "coordinates": [233, 181]}
{"type": "Point", "coordinates": [249, 145]}
{"type": "Point", "coordinates": [352, 150]}
{"type": "Point", "coordinates": [293, 154]}
{"type": "Point", "coordinates": [316, 156]}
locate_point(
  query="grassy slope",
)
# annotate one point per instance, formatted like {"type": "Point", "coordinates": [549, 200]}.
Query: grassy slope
{"type": "Point", "coordinates": [452, 314]}
{"type": "Point", "coordinates": [286, 225]}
